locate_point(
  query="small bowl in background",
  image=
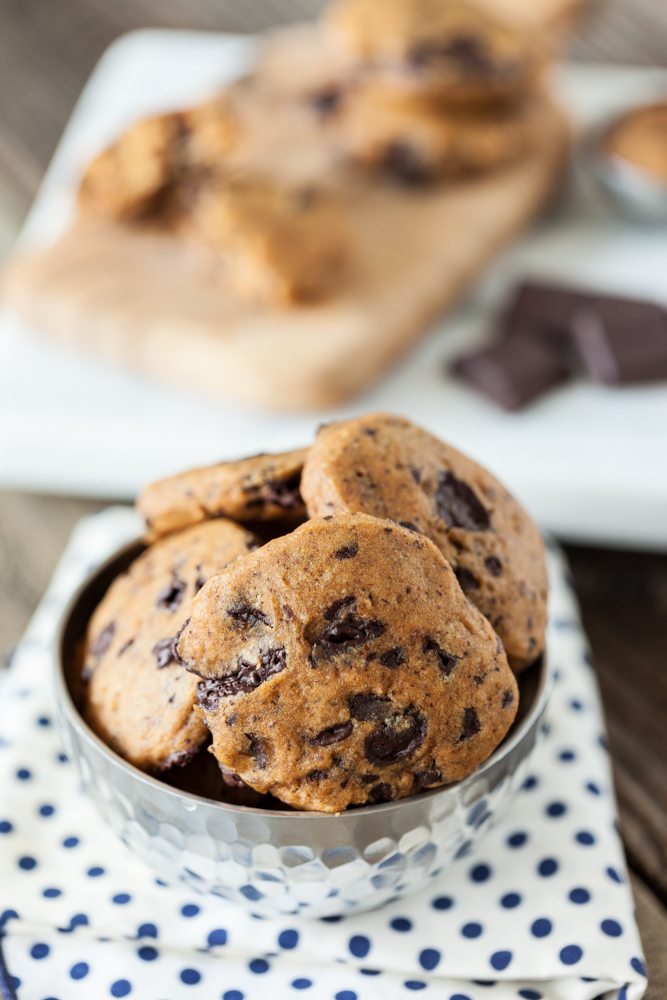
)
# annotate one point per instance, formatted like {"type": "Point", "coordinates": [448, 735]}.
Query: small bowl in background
{"type": "Point", "coordinates": [632, 192]}
{"type": "Point", "coordinates": [285, 861]}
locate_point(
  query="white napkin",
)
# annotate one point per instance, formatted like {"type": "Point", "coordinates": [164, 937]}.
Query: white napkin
{"type": "Point", "coordinates": [541, 910]}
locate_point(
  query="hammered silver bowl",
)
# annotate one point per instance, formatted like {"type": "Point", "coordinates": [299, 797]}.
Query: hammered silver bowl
{"type": "Point", "coordinates": [285, 861]}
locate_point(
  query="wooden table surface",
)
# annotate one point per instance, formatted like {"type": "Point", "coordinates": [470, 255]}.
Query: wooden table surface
{"type": "Point", "coordinates": [47, 50]}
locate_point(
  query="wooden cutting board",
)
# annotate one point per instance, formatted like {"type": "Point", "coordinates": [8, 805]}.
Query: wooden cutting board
{"type": "Point", "coordinates": [139, 298]}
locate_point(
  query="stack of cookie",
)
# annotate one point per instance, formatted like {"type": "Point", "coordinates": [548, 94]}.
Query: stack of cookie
{"type": "Point", "coordinates": [263, 178]}
{"type": "Point", "coordinates": [339, 626]}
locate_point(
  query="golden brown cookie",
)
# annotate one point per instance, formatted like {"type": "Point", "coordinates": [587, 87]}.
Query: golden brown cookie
{"type": "Point", "coordinates": [280, 243]}
{"type": "Point", "coordinates": [450, 50]}
{"type": "Point", "coordinates": [415, 140]}
{"type": "Point", "coordinates": [139, 699]}
{"type": "Point", "coordinates": [261, 488]}
{"type": "Point", "coordinates": [384, 465]}
{"type": "Point", "coordinates": [127, 179]}
{"type": "Point", "coordinates": [343, 664]}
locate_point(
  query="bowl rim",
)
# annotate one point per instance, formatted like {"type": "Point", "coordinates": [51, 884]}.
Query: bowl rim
{"type": "Point", "coordinates": [67, 708]}
{"type": "Point", "coordinates": [627, 178]}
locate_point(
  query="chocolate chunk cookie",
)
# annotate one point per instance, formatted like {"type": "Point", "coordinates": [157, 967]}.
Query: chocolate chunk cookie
{"type": "Point", "coordinates": [126, 180]}
{"type": "Point", "coordinates": [280, 243]}
{"type": "Point", "coordinates": [384, 465]}
{"type": "Point", "coordinates": [140, 173]}
{"type": "Point", "coordinates": [342, 664]}
{"type": "Point", "coordinates": [453, 51]}
{"type": "Point", "coordinates": [262, 488]}
{"type": "Point", "coordinates": [140, 700]}
{"type": "Point", "coordinates": [414, 140]}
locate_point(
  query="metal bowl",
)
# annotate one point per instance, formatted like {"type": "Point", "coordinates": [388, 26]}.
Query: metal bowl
{"type": "Point", "coordinates": [631, 192]}
{"type": "Point", "coordinates": [285, 861]}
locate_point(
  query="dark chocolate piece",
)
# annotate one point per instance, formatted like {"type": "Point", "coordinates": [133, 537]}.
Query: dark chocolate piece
{"type": "Point", "coordinates": [467, 580]}
{"type": "Point", "coordinates": [514, 371]}
{"type": "Point", "coordinates": [258, 751]}
{"type": "Point", "coordinates": [380, 793]}
{"type": "Point", "coordinates": [285, 493]}
{"type": "Point", "coordinates": [244, 614]}
{"type": "Point", "coordinates": [458, 506]}
{"type": "Point", "coordinates": [621, 341]}
{"type": "Point", "coordinates": [351, 631]}
{"type": "Point", "coordinates": [102, 641]}
{"type": "Point", "coordinates": [387, 745]}
{"type": "Point", "coordinates": [369, 707]}
{"type": "Point", "coordinates": [347, 551]}
{"type": "Point", "coordinates": [393, 657]}
{"type": "Point", "coordinates": [494, 565]}
{"type": "Point", "coordinates": [471, 724]}
{"type": "Point", "coordinates": [445, 660]}
{"type": "Point", "coordinates": [544, 309]}
{"type": "Point", "coordinates": [334, 734]}
{"type": "Point", "coordinates": [231, 778]}
{"type": "Point", "coordinates": [171, 596]}
{"type": "Point", "coordinates": [164, 652]}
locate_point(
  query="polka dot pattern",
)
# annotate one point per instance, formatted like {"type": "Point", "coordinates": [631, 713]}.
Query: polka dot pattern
{"type": "Point", "coordinates": [543, 897]}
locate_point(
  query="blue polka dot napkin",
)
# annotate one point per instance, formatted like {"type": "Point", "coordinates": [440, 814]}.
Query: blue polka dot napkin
{"type": "Point", "coordinates": [542, 910]}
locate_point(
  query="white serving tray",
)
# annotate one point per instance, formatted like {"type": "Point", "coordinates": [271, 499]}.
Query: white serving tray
{"type": "Point", "coordinates": [589, 462]}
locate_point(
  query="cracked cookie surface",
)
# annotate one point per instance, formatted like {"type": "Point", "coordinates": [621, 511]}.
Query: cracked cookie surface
{"type": "Point", "coordinates": [342, 664]}
{"type": "Point", "coordinates": [386, 466]}
{"type": "Point", "coordinates": [139, 699]}
{"type": "Point", "coordinates": [262, 488]}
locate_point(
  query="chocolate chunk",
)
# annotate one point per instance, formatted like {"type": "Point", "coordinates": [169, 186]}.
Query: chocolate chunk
{"type": "Point", "coordinates": [367, 779]}
{"type": "Point", "coordinates": [334, 734]}
{"type": "Point", "coordinates": [181, 757]}
{"type": "Point", "coordinates": [404, 163]}
{"type": "Point", "coordinates": [546, 308]}
{"type": "Point", "coordinates": [514, 371]}
{"type": "Point", "coordinates": [327, 102]}
{"type": "Point", "coordinates": [349, 632]}
{"type": "Point", "coordinates": [621, 341]}
{"type": "Point", "coordinates": [467, 580]}
{"type": "Point", "coordinates": [170, 598]}
{"type": "Point", "coordinates": [284, 492]}
{"type": "Point", "coordinates": [445, 660]}
{"type": "Point", "coordinates": [316, 775]}
{"type": "Point", "coordinates": [393, 657]}
{"type": "Point", "coordinates": [271, 661]}
{"type": "Point", "coordinates": [258, 751]}
{"type": "Point", "coordinates": [342, 604]}
{"type": "Point", "coordinates": [369, 707]}
{"type": "Point", "coordinates": [409, 525]}
{"type": "Point", "coordinates": [508, 698]}
{"type": "Point", "coordinates": [164, 652]}
{"type": "Point", "coordinates": [125, 647]}
{"type": "Point", "coordinates": [347, 551]}
{"type": "Point", "coordinates": [244, 679]}
{"type": "Point", "coordinates": [416, 474]}
{"type": "Point", "coordinates": [430, 777]}
{"type": "Point", "coordinates": [199, 583]}
{"type": "Point", "coordinates": [231, 778]}
{"type": "Point", "coordinates": [494, 565]}
{"type": "Point", "coordinates": [244, 614]}
{"type": "Point", "coordinates": [289, 614]}
{"type": "Point", "coordinates": [458, 505]}
{"type": "Point", "coordinates": [389, 744]}
{"type": "Point", "coordinates": [380, 793]}
{"type": "Point", "coordinates": [471, 724]}
{"type": "Point", "coordinates": [102, 641]}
